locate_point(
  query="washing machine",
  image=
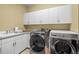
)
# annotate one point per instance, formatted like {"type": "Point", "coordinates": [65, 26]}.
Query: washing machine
{"type": "Point", "coordinates": [63, 42]}
{"type": "Point", "coordinates": [37, 42]}
{"type": "Point", "coordinates": [78, 43]}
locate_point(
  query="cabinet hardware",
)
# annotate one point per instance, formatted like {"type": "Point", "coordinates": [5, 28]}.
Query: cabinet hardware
{"type": "Point", "coordinates": [58, 21]}
{"type": "Point", "coordinates": [13, 44]}
{"type": "Point", "coordinates": [0, 50]}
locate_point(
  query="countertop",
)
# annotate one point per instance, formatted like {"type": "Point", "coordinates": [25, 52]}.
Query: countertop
{"type": "Point", "coordinates": [12, 35]}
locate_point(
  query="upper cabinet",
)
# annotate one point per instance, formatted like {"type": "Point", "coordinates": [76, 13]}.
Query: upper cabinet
{"type": "Point", "coordinates": [65, 14]}
{"type": "Point", "coordinates": [26, 18]}
{"type": "Point", "coordinates": [44, 16]}
{"type": "Point", "coordinates": [56, 15]}
{"type": "Point", "coordinates": [53, 15]}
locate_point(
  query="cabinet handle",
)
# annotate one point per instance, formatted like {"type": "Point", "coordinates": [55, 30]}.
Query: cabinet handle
{"type": "Point", "coordinates": [0, 51]}
{"type": "Point", "coordinates": [13, 44]}
{"type": "Point", "coordinates": [58, 21]}
{"type": "Point", "coordinates": [40, 21]}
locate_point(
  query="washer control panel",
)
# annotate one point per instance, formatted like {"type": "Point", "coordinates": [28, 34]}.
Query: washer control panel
{"type": "Point", "coordinates": [63, 35]}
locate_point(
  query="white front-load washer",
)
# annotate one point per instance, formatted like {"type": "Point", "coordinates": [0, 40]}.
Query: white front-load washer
{"type": "Point", "coordinates": [63, 42]}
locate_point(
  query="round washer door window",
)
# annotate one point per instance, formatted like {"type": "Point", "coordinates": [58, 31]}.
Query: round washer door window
{"type": "Point", "coordinates": [37, 43]}
{"type": "Point", "coordinates": [64, 47]}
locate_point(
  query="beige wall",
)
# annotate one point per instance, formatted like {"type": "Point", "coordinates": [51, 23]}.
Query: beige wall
{"type": "Point", "coordinates": [11, 16]}
{"type": "Point", "coordinates": [75, 19]}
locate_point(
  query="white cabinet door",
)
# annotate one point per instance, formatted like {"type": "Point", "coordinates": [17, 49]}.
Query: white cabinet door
{"type": "Point", "coordinates": [32, 18]}
{"type": "Point", "coordinates": [7, 46]}
{"type": "Point", "coordinates": [53, 15]}
{"type": "Point", "coordinates": [23, 41]}
{"type": "Point", "coordinates": [65, 14]}
{"type": "Point", "coordinates": [43, 16]}
{"type": "Point", "coordinates": [20, 43]}
{"type": "Point", "coordinates": [28, 40]}
{"type": "Point", "coordinates": [26, 18]}
{"type": "Point", "coordinates": [37, 17]}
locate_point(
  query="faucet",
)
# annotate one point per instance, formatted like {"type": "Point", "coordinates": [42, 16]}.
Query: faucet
{"type": "Point", "coordinates": [7, 31]}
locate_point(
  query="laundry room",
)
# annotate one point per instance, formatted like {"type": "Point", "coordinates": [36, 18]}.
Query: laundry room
{"type": "Point", "coordinates": [39, 28]}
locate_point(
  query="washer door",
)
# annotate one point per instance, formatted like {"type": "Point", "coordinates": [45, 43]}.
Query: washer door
{"type": "Point", "coordinates": [37, 43]}
{"type": "Point", "coordinates": [64, 47]}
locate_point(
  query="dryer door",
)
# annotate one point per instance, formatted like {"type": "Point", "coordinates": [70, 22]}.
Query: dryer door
{"type": "Point", "coordinates": [37, 43]}
{"type": "Point", "coordinates": [64, 47]}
